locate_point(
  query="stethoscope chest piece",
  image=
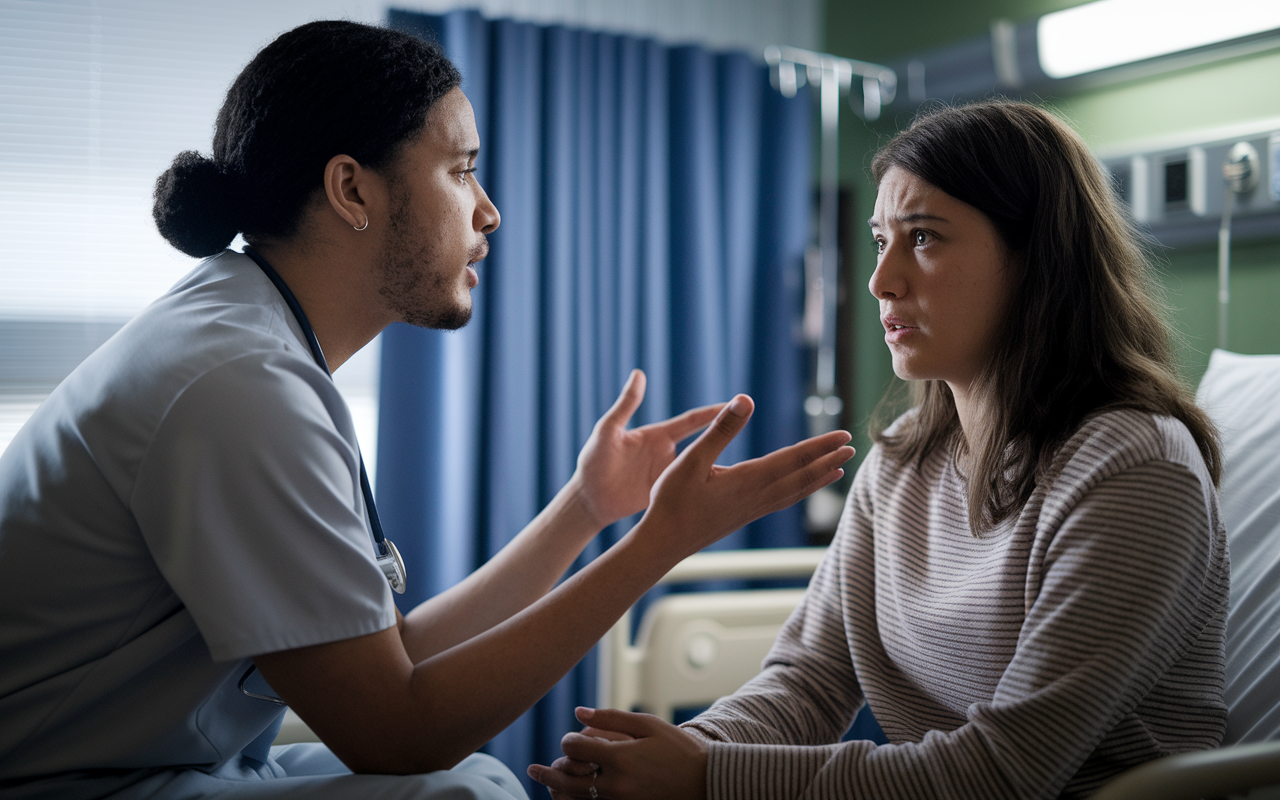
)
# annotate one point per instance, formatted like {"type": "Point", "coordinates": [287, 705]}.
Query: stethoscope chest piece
{"type": "Point", "coordinates": [393, 567]}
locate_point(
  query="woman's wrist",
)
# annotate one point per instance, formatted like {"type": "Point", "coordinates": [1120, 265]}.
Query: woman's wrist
{"type": "Point", "coordinates": [573, 505]}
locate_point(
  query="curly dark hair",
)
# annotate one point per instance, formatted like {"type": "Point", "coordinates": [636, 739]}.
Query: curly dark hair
{"type": "Point", "coordinates": [322, 89]}
{"type": "Point", "coordinates": [1084, 331]}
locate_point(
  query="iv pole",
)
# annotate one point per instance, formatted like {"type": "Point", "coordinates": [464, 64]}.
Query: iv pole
{"type": "Point", "coordinates": [789, 69]}
{"type": "Point", "coordinates": [1240, 176]}
{"type": "Point", "coordinates": [831, 76]}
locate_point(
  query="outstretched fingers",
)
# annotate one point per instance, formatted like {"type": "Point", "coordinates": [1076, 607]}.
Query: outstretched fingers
{"type": "Point", "coordinates": [727, 424]}
{"type": "Point", "coordinates": [684, 425]}
{"type": "Point", "coordinates": [792, 473]}
{"type": "Point", "coordinates": [628, 401]}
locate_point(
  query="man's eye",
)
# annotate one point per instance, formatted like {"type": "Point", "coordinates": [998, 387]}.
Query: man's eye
{"type": "Point", "coordinates": [462, 176]}
{"type": "Point", "coordinates": [879, 243]}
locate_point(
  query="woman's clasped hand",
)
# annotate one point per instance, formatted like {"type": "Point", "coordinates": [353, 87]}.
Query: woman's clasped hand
{"type": "Point", "coordinates": [623, 755]}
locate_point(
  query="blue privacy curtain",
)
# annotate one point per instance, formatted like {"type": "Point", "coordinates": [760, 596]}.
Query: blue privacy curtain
{"type": "Point", "coordinates": [655, 209]}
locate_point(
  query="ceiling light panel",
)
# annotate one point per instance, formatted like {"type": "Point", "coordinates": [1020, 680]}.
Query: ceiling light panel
{"type": "Point", "coordinates": [1109, 33]}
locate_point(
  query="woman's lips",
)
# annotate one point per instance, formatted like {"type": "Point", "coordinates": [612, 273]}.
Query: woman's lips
{"type": "Point", "coordinates": [897, 330]}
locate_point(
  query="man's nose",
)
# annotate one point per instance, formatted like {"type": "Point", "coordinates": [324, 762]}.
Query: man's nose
{"type": "Point", "coordinates": [487, 219]}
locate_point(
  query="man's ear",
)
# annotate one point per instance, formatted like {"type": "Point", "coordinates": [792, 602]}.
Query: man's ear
{"type": "Point", "coordinates": [349, 189]}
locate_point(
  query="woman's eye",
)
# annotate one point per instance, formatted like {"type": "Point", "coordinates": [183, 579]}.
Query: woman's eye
{"type": "Point", "coordinates": [920, 237]}
{"type": "Point", "coordinates": [879, 243]}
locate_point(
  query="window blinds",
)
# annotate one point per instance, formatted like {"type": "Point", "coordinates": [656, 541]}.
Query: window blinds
{"type": "Point", "coordinates": [97, 96]}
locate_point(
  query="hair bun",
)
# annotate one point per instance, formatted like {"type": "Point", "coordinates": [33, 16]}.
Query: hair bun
{"type": "Point", "coordinates": [194, 199]}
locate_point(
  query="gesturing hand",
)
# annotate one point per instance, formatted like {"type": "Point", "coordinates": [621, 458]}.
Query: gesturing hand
{"type": "Point", "coordinates": [617, 467]}
{"type": "Point", "coordinates": [696, 502]}
{"type": "Point", "coordinates": [637, 756]}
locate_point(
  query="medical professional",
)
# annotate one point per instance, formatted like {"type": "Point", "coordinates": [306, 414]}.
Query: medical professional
{"type": "Point", "coordinates": [187, 539]}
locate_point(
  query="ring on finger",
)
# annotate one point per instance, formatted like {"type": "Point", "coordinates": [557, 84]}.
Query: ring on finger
{"type": "Point", "coordinates": [595, 774]}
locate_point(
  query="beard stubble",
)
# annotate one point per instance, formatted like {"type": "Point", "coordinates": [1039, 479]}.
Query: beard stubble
{"type": "Point", "coordinates": [415, 285]}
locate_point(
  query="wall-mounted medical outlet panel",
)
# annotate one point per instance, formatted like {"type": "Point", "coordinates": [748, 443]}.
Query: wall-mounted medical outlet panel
{"type": "Point", "coordinates": [1178, 189]}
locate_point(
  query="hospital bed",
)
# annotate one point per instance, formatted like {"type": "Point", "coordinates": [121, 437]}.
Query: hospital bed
{"type": "Point", "coordinates": [1242, 395]}
{"type": "Point", "coordinates": [695, 648]}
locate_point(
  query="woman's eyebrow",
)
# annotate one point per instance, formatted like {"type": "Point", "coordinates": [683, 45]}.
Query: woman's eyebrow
{"type": "Point", "coordinates": [909, 218]}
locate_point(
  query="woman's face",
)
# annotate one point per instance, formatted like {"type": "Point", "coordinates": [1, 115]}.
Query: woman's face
{"type": "Point", "coordinates": [942, 279]}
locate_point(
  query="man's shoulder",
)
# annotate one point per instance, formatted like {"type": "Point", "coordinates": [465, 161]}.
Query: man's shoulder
{"type": "Point", "coordinates": [221, 338]}
{"type": "Point", "coordinates": [224, 312]}
{"type": "Point", "coordinates": [265, 393]}
{"type": "Point", "coordinates": [226, 305]}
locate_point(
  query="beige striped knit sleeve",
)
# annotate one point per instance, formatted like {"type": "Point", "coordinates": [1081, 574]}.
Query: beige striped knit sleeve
{"type": "Point", "coordinates": [1036, 662]}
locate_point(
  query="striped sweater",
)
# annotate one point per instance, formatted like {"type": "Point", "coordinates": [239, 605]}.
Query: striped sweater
{"type": "Point", "coordinates": [1078, 639]}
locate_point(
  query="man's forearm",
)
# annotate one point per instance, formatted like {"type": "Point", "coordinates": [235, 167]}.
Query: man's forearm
{"type": "Point", "coordinates": [381, 713]}
{"type": "Point", "coordinates": [495, 676]}
{"type": "Point", "coordinates": [517, 576]}
{"type": "Point", "coordinates": [380, 710]}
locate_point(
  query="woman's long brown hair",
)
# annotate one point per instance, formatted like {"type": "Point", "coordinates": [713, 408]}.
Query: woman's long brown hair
{"type": "Point", "coordinates": [1084, 331]}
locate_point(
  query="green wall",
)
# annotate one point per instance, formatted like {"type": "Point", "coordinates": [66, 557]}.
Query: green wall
{"type": "Point", "coordinates": [1239, 90]}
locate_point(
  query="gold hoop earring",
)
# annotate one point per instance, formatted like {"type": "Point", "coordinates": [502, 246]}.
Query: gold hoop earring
{"type": "Point", "coordinates": [362, 227]}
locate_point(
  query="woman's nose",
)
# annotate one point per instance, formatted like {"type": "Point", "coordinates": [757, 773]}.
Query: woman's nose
{"type": "Point", "coordinates": [887, 282]}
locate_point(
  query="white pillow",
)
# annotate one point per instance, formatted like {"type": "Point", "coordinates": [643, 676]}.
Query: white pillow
{"type": "Point", "coordinates": [1242, 396]}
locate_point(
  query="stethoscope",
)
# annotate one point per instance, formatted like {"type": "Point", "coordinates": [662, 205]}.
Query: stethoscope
{"type": "Point", "coordinates": [385, 552]}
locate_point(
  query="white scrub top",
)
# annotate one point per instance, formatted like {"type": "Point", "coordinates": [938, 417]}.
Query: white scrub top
{"type": "Point", "coordinates": [187, 498]}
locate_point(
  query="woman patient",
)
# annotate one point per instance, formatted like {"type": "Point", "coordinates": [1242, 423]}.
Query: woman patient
{"type": "Point", "coordinates": [1029, 583]}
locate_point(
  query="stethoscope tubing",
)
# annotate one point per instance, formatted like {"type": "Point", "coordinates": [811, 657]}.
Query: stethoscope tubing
{"type": "Point", "coordinates": [379, 539]}
{"type": "Point", "coordinates": [383, 549]}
